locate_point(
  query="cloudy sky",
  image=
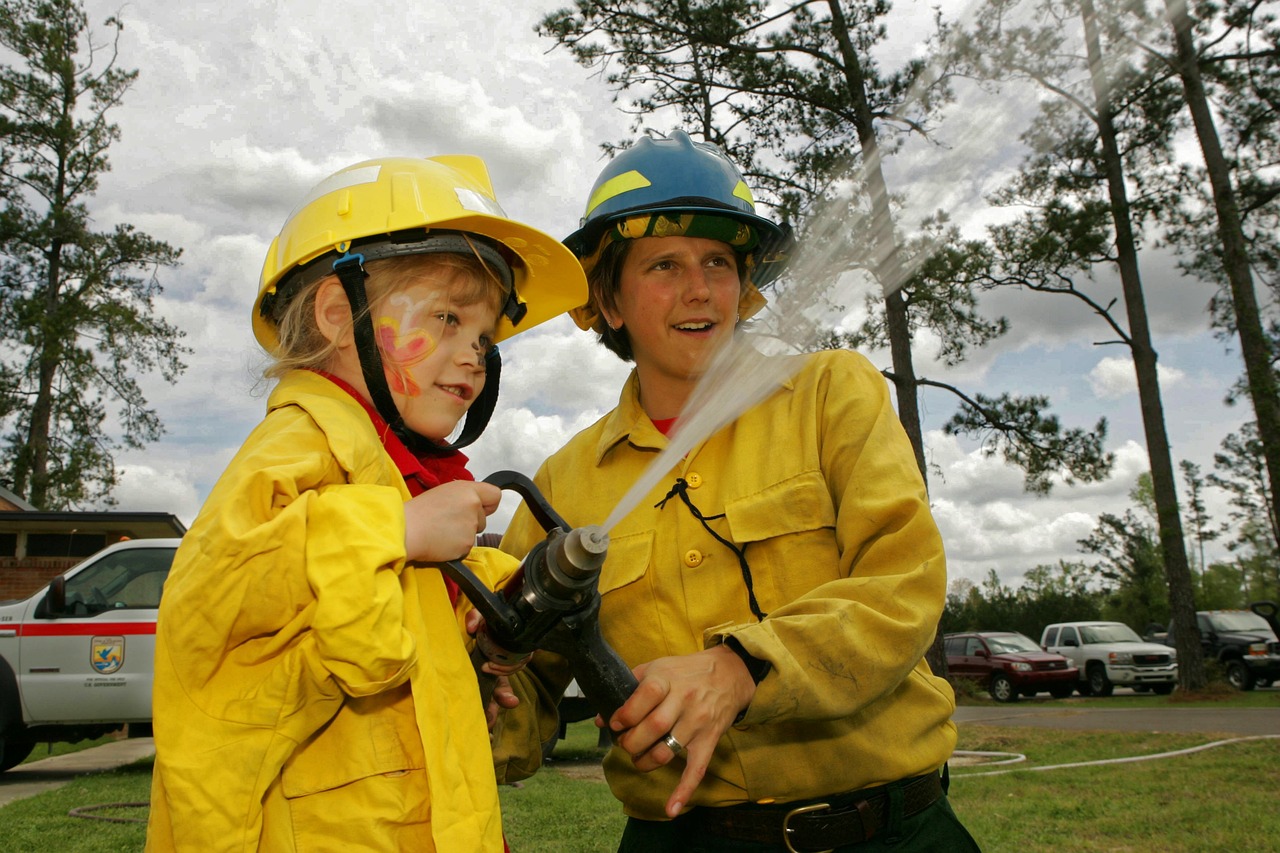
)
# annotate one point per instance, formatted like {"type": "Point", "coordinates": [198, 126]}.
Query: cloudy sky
{"type": "Point", "coordinates": [242, 106]}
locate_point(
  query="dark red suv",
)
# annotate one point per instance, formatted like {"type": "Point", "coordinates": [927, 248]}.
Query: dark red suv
{"type": "Point", "coordinates": [1009, 665]}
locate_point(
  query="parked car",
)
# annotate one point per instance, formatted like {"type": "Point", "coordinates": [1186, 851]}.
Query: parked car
{"type": "Point", "coordinates": [1242, 642]}
{"type": "Point", "coordinates": [76, 658]}
{"type": "Point", "coordinates": [1009, 665]}
{"type": "Point", "coordinates": [1111, 653]}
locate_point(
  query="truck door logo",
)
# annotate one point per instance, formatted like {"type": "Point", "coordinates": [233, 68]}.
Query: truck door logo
{"type": "Point", "coordinates": [106, 654]}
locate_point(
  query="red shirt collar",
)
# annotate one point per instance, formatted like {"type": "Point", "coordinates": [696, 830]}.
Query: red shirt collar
{"type": "Point", "coordinates": [664, 425]}
{"type": "Point", "coordinates": [420, 472]}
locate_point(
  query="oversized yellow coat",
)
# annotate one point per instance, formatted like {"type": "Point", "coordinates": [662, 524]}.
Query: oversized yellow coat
{"type": "Point", "coordinates": [312, 692]}
{"type": "Point", "coordinates": [820, 485]}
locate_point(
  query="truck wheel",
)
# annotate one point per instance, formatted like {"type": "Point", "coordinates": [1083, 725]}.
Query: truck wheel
{"type": "Point", "coordinates": [1162, 689]}
{"type": "Point", "coordinates": [1099, 684]}
{"type": "Point", "coordinates": [1060, 691]}
{"type": "Point", "coordinates": [1002, 688]}
{"type": "Point", "coordinates": [1238, 675]}
{"type": "Point", "coordinates": [14, 748]}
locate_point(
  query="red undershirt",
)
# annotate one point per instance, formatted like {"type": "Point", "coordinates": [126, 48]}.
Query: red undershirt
{"type": "Point", "coordinates": [664, 425]}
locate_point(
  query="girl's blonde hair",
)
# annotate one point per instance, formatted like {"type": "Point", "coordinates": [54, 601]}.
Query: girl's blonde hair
{"type": "Point", "coordinates": [466, 278]}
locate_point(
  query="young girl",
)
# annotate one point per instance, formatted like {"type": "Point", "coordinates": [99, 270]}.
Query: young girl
{"type": "Point", "coordinates": [313, 689]}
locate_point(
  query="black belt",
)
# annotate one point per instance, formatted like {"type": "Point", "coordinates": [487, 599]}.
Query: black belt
{"type": "Point", "coordinates": [822, 824]}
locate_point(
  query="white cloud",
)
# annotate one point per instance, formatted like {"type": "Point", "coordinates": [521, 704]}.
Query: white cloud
{"type": "Point", "coordinates": [228, 126]}
{"type": "Point", "coordinates": [143, 488]}
{"type": "Point", "coordinates": [988, 521]}
{"type": "Point", "coordinates": [1113, 378]}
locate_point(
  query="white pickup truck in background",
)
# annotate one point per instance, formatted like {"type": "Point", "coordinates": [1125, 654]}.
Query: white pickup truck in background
{"type": "Point", "coordinates": [1110, 654]}
{"type": "Point", "coordinates": [76, 658]}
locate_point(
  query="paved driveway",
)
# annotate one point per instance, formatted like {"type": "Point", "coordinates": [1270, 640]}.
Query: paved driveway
{"type": "Point", "coordinates": [1227, 721]}
{"type": "Point", "coordinates": [27, 780]}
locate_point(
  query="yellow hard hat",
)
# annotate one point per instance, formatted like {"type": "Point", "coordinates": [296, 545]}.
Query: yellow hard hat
{"type": "Point", "coordinates": [416, 199]}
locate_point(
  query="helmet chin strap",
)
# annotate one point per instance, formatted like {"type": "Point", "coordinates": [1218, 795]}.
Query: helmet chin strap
{"type": "Point", "coordinates": [351, 273]}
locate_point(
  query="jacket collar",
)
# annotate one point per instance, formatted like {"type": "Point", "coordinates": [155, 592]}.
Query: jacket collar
{"type": "Point", "coordinates": [420, 472]}
{"type": "Point", "coordinates": [628, 422]}
{"type": "Point", "coordinates": [347, 428]}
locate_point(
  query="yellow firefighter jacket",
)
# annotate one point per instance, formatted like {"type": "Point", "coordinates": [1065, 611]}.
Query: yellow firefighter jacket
{"type": "Point", "coordinates": [312, 692]}
{"type": "Point", "coordinates": [820, 485]}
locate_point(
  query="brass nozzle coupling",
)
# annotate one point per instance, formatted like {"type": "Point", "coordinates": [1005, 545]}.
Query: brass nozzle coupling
{"type": "Point", "coordinates": [583, 551]}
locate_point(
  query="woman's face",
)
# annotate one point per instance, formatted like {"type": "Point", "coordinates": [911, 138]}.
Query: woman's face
{"type": "Point", "coordinates": [678, 302]}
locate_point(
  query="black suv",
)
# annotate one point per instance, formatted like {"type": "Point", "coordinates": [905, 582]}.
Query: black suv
{"type": "Point", "coordinates": [1243, 642]}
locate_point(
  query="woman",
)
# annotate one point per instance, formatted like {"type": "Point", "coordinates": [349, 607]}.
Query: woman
{"type": "Point", "coordinates": [777, 591]}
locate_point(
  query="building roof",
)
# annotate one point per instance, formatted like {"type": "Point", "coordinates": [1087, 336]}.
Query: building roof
{"type": "Point", "coordinates": [9, 501]}
{"type": "Point", "coordinates": [136, 525]}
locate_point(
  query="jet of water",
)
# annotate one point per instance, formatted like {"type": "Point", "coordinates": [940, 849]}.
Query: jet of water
{"type": "Point", "coordinates": [839, 265]}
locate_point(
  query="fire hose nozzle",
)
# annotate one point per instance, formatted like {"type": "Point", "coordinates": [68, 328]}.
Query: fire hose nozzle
{"type": "Point", "coordinates": [552, 602]}
{"type": "Point", "coordinates": [584, 551]}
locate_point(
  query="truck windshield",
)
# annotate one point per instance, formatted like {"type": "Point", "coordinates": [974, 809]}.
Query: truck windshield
{"type": "Point", "coordinates": [1240, 621]}
{"type": "Point", "coordinates": [1012, 643]}
{"type": "Point", "coordinates": [1109, 634]}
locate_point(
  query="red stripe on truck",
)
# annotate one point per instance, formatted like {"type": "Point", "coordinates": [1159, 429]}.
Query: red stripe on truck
{"type": "Point", "coordinates": [83, 629]}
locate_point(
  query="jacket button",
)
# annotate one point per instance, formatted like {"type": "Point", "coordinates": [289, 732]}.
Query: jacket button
{"type": "Point", "coordinates": [694, 479]}
{"type": "Point", "coordinates": [693, 559]}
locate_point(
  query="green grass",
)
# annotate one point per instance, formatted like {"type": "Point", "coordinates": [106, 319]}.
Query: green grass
{"type": "Point", "coordinates": [42, 823]}
{"type": "Point", "coordinates": [566, 806]}
{"type": "Point", "coordinates": [49, 750]}
{"type": "Point", "coordinates": [1218, 799]}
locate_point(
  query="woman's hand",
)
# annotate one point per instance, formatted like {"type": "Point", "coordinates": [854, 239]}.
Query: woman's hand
{"type": "Point", "coordinates": [442, 523]}
{"type": "Point", "coordinates": [503, 698]}
{"type": "Point", "coordinates": [694, 698]}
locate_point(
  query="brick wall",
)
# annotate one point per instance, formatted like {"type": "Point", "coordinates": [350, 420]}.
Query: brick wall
{"type": "Point", "coordinates": [22, 578]}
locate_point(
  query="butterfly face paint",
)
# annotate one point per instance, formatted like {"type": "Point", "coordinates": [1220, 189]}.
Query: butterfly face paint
{"type": "Point", "coordinates": [433, 353]}
{"type": "Point", "coordinates": [407, 334]}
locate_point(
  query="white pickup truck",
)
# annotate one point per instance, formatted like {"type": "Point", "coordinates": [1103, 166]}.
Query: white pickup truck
{"type": "Point", "coordinates": [1111, 653]}
{"type": "Point", "coordinates": [76, 658]}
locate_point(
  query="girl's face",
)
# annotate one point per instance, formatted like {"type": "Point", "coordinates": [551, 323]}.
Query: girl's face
{"type": "Point", "coordinates": [678, 301]}
{"type": "Point", "coordinates": [433, 352]}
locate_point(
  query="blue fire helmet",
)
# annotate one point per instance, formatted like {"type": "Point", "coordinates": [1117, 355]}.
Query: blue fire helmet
{"type": "Point", "coordinates": [694, 189]}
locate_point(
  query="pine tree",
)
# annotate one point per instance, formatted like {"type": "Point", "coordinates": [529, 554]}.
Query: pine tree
{"type": "Point", "coordinates": [77, 317]}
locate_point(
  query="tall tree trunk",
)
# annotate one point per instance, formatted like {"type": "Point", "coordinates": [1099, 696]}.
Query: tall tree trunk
{"type": "Point", "coordinates": [1254, 346]}
{"type": "Point", "coordinates": [888, 269]}
{"type": "Point", "coordinates": [1191, 671]}
{"type": "Point", "coordinates": [38, 435]}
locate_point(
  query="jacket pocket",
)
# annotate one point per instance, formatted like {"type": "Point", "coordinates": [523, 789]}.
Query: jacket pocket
{"type": "Point", "coordinates": [788, 532]}
{"type": "Point", "coordinates": [795, 505]}
{"type": "Point", "coordinates": [369, 736]}
{"type": "Point", "coordinates": [627, 561]}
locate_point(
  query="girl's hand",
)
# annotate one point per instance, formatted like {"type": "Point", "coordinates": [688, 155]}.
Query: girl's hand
{"type": "Point", "coordinates": [442, 523]}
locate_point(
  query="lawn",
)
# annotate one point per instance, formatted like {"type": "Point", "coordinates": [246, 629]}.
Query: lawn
{"type": "Point", "coordinates": [1216, 799]}
{"type": "Point", "coordinates": [1213, 800]}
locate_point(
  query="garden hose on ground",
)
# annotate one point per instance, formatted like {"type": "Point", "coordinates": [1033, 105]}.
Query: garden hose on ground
{"type": "Point", "coordinates": [86, 812]}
